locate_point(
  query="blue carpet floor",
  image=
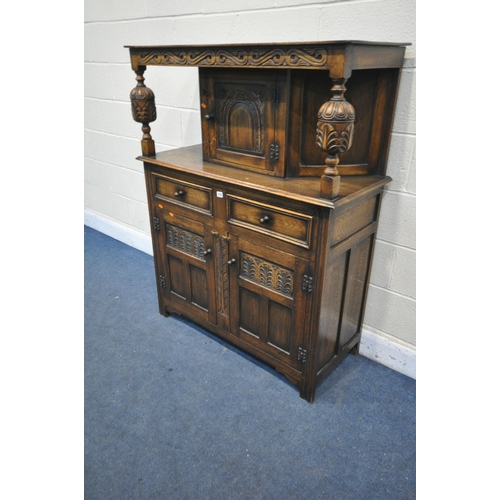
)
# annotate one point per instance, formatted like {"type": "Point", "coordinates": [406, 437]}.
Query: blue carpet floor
{"type": "Point", "coordinates": [172, 412]}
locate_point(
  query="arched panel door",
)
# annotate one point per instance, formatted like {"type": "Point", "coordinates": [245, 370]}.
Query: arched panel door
{"type": "Point", "coordinates": [245, 119]}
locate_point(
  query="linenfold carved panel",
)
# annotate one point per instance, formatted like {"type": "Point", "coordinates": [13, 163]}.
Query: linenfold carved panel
{"type": "Point", "coordinates": [254, 57]}
{"type": "Point", "coordinates": [267, 274]}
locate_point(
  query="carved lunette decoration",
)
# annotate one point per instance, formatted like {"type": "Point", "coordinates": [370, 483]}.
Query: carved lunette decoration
{"type": "Point", "coordinates": [266, 274]}
{"type": "Point", "coordinates": [334, 134]}
{"type": "Point", "coordinates": [186, 242]}
{"type": "Point", "coordinates": [294, 57]}
{"type": "Point", "coordinates": [144, 111]}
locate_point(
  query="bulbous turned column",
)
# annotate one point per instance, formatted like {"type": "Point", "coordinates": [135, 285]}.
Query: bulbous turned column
{"type": "Point", "coordinates": [334, 135]}
{"type": "Point", "coordinates": [144, 111]}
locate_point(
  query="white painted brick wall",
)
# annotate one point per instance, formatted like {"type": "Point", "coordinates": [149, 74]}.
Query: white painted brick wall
{"type": "Point", "coordinates": [114, 183]}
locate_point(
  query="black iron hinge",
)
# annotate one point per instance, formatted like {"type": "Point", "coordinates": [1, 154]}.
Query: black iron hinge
{"type": "Point", "coordinates": [274, 151]}
{"type": "Point", "coordinates": [307, 283]}
{"type": "Point", "coordinates": [156, 224]}
{"type": "Point", "coordinates": [302, 356]}
{"type": "Point", "coordinates": [163, 281]}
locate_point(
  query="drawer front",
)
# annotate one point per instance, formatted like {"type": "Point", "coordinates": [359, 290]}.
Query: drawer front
{"type": "Point", "coordinates": [292, 227]}
{"type": "Point", "coordinates": [182, 193]}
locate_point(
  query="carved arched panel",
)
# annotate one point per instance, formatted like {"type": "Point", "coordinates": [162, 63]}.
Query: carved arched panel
{"type": "Point", "coordinates": [240, 116]}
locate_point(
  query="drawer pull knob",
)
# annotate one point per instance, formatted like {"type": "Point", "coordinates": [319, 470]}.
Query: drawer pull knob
{"type": "Point", "coordinates": [179, 192]}
{"type": "Point", "coordinates": [209, 117]}
{"type": "Point", "coordinates": [264, 219]}
{"type": "Point", "coordinates": [232, 261]}
{"type": "Point", "coordinates": [207, 251]}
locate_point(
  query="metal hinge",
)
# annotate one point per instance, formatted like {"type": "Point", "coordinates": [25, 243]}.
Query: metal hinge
{"type": "Point", "coordinates": [307, 283]}
{"type": "Point", "coordinates": [274, 151]}
{"type": "Point", "coordinates": [302, 355]}
{"type": "Point", "coordinates": [156, 224]}
{"type": "Point", "coordinates": [163, 281]}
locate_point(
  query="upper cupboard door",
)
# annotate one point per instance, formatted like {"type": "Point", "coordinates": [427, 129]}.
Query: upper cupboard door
{"type": "Point", "coordinates": [244, 118]}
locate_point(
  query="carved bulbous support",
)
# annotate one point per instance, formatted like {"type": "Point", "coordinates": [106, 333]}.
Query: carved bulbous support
{"type": "Point", "coordinates": [144, 111]}
{"type": "Point", "coordinates": [334, 135]}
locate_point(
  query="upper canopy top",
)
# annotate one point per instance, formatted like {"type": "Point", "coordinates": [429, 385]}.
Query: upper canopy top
{"type": "Point", "coordinates": [339, 57]}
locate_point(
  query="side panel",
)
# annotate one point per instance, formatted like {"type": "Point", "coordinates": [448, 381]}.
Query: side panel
{"type": "Point", "coordinates": [349, 254]}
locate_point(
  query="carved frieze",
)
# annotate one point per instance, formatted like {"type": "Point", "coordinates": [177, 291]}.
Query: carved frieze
{"type": "Point", "coordinates": [253, 57]}
{"type": "Point", "coordinates": [267, 274]}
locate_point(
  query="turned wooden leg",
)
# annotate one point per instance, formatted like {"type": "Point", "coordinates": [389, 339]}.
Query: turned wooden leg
{"type": "Point", "coordinates": [334, 135]}
{"type": "Point", "coordinates": [144, 111]}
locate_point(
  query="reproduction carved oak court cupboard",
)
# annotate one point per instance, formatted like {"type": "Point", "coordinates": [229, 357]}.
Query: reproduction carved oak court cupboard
{"type": "Point", "coordinates": [264, 233]}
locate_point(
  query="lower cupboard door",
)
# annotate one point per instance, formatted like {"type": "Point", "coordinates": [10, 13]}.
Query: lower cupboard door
{"type": "Point", "coordinates": [269, 306]}
{"type": "Point", "coordinates": [188, 271]}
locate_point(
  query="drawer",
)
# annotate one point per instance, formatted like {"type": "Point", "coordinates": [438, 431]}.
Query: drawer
{"type": "Point", "coordinates": [182, 193]}
{"type": "Point", "coordinates": [287, 225]}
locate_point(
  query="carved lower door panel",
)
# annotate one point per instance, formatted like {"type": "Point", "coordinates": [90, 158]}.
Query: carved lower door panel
{"type": "Point", "coordinates": [268, 305]}
{"type": "Point", "coordinates": [186, 271]}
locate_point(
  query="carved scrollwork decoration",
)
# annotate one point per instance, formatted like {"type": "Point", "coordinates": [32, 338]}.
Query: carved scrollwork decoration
{"type": "Point", "coordinates": [258, 56]}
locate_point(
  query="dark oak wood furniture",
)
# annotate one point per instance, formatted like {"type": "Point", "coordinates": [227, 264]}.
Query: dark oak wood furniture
{"type": "Point", "coordinates": [264, 233]}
